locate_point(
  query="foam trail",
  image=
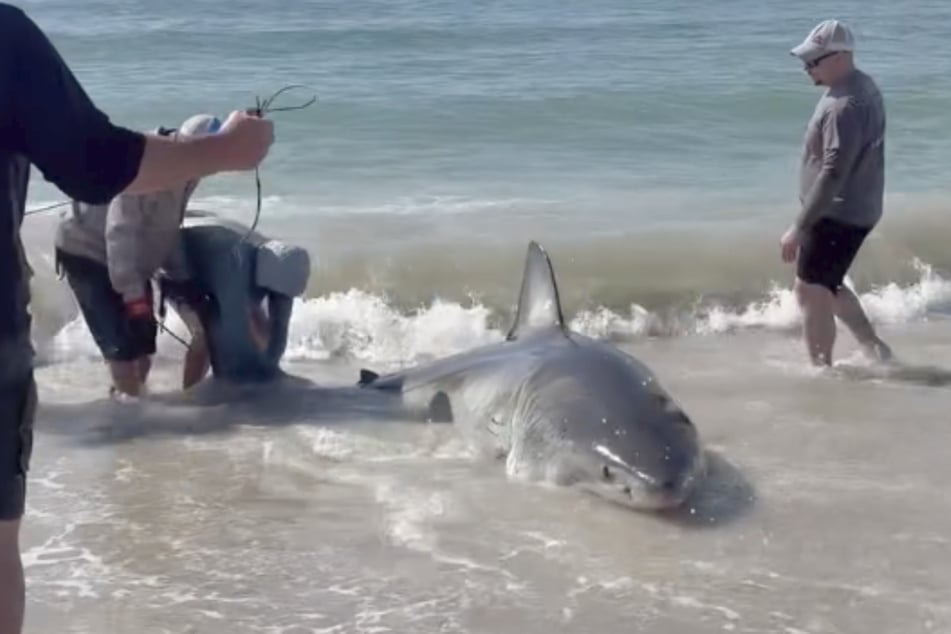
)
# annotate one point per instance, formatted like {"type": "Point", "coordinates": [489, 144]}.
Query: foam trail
{"type": "Point", "coordinates": [364, 326]}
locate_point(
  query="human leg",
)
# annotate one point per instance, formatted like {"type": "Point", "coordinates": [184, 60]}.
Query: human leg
{"type": "Point", "coordinates": [125, 343]}
{"type": "Point", "coordinates": [849, 309]}
{"type": "Point", "coordinates": [192, 306]}
{"type": "Point", "coordinates": [828, 250]}
{"type": "Point", "coordinates": [816, 303]}
{"type": "Point", "coordinates": [258, 322]}
{"type": "Point", "coordinates": [12, 587]}
{"type": "Point", "coordinates": [17, 409]}
{"type": "Point", "coordinates": [197, 362]}
{"type": "Point", "coordinates": [125, 377]}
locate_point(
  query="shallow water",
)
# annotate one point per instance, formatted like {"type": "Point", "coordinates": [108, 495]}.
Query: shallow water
{"type": "Point", "coordinates": [824, 510]}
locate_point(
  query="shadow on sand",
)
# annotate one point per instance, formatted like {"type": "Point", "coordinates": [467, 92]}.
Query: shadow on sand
{"type": "Point", "coordinates": [216, 408]}
{"type": "Point", "coordinates": [894, 372]}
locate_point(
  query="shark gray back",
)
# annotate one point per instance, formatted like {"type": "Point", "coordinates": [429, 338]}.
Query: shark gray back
{"type": "Point", "coordinates": [559, 406]}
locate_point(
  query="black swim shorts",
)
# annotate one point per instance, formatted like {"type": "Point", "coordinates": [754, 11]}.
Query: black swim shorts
{"type": "Point", "coordinates": [827, 251]}
{"type": "Point", "coordinates": [118, 337]}
{"type": "Point", "coordinates": [17, 410]}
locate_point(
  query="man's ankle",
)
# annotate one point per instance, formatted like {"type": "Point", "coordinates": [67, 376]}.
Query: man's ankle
{"type": "Point", "coordinates": [878, 350]}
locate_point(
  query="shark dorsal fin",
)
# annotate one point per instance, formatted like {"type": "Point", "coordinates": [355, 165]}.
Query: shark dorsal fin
{"type": "Point", "coordinates": [538, 303]}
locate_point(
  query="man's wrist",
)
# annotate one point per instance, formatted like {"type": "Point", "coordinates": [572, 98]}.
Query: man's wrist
{"type": "Point", "coordinates": [802, 222]}
{"type": "Point", "coordinates": [214, 153]}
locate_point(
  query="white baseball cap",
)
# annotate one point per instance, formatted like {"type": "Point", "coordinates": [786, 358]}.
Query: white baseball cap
{"type": "Point", "coordinates": [830, 36]}
{"type": "Point", "coordinates": [199, 124]}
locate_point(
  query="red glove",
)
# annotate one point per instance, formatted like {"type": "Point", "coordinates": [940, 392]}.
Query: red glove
{"type": "Point", "coordinates": [139, 308]}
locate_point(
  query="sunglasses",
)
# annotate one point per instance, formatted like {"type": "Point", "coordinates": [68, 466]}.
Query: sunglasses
{"type": "Point", "coordinates": [814, 63]}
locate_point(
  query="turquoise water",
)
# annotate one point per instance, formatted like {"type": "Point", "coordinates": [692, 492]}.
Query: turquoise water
{"type": "Point", "coordinates": [652, 146]}
{"type": "Point", "coordinates": [654, 113]}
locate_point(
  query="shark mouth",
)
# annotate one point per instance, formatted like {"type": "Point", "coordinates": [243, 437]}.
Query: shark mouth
{"type": "Point", "coordinates": [626, 484]}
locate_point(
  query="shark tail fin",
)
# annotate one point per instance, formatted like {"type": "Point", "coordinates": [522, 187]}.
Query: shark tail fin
{"type": "Point", "coordinates": [539, 305]}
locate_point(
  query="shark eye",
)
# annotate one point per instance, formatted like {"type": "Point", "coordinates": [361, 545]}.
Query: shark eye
{"type": "Point", "coordinates": [666, 402]}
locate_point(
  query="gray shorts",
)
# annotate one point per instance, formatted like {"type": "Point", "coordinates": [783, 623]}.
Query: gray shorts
{"type": "Point", "coordinates": [17, 411]}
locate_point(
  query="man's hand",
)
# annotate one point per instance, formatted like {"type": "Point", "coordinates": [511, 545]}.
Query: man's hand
{"type": "Point", "coordinates": [789, 244]}
{"type": "Point", "coordinates": [240, 145]}
{"type": "Point", "coordinates": [141, 325]}
{"type": "Point", "coordinates": [247, 139]}
{"type": "Point", "coordinates": [140, 308]}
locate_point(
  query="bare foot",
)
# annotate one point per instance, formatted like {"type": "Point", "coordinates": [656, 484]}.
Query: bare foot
{"type": "Point", "coordinates": [879, 351]}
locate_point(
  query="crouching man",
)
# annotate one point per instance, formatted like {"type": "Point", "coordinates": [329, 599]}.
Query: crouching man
{"type": "Point", "coordinates": [236, 300]}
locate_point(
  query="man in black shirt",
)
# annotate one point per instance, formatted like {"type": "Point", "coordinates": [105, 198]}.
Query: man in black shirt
{"type": "Point", "coordinates": [46, 119]}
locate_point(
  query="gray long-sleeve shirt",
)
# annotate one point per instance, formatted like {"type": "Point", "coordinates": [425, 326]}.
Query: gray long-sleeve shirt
{"type": "Point", "coordinates": [133, 236]}
{"type": "Point", "coordinates": [842, 175]}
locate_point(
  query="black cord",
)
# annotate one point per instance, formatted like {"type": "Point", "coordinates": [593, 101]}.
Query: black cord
{"type": "Point", "coordinates": [161, 324]}
{"type": "Point", "coordinates": [261, 109]}
{"type": "Point", "coordinates": [266, 106]}
{"type": "Point", "coordinates": [38, 210]}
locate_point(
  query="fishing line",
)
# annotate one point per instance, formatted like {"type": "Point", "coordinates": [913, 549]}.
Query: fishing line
{"type": "Point", "coordinates": [30, 212]}
{"type": "Point", "coordinates": [161, 324]}
{"type": "Point", "coordinates": [261, 109]}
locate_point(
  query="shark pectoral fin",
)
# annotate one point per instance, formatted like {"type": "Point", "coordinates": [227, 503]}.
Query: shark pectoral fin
{"type": "Point", "coordinates": [497, 429]}
{"type": "Point", "coordinates": [367, 377]}
{"type": "Point", "coordinates": [440, 408]}
{"type": "Point", "coordinates": [495, 426]}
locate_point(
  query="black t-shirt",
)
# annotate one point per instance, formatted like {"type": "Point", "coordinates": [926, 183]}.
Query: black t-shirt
{"type": "Point", "coordinates": [47, 119]}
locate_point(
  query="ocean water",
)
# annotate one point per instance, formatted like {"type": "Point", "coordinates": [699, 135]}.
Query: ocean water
{"type": "Point", "coordinates": [652, 148]}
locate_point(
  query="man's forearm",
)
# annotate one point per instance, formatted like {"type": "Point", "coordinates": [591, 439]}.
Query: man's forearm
{"type": "Point", "coordinates": [123, 223]}
{"type": "Point", "coordinates": [818, 200]}
{"type": "Point", "coordinates": [169, 162]}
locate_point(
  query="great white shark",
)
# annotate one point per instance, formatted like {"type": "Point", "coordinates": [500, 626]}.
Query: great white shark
{"type": "Point", "coordinates": [559, 406]}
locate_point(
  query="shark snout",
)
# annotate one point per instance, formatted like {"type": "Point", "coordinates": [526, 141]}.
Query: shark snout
{"type": "Point", "coordinates": [610, 474]}
{"type": "Point", "coordinates": [644, 491]}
